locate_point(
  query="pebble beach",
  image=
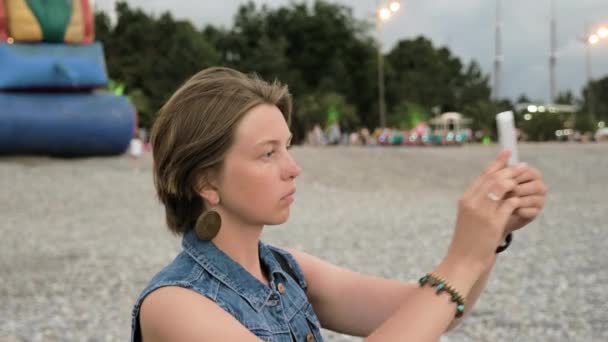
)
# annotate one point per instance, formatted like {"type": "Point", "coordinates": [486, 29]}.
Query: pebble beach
{"type": "Point", "coordinates": [80, 238]}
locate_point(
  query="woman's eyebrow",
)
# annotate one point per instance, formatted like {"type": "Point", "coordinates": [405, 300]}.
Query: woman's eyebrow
{"type": "Point", "coordinates": [273, 141]}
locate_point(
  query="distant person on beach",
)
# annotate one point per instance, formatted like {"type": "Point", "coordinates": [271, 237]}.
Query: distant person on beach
{"type": "Point", "coordinates": [366, 139]}
{"type": "Point", "coordinates": [334, 134]}
{"type": "Point", "coordinates": [223, 171]}
{"type": "Point", "coordinates": [316, 136]}
{"type": "Point", "coordinates": [135, 151]}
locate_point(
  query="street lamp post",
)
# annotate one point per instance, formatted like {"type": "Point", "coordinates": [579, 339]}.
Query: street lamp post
{"type": "Point", "coordinates": [383, 13]}
{"type": "Point", "coordinates": [590, 97]}
{"type": "Point", "coordinates": [381, 98]}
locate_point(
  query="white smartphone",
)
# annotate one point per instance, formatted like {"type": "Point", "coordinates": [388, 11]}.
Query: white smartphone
{"type": "Point", "coordinates": [507, 136]}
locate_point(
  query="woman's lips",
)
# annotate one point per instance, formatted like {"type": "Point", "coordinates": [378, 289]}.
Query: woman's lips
{"type": "Point", "coordinates": [290, 197]}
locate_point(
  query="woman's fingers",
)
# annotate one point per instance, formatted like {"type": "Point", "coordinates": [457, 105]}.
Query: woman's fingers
{"type": "Point", "coordinates": [534, 202]}
{"type": "Point", "coordinates": [499, 163]}
{"type": "Point", "coordinates": [530, 175]}
{"type": "Point", "coordinates": [528, 213]}
{"type": "Point", "coordinates": [494, 190]}
{"type": "Point", "coordinates": [497, 185]}
{"type": "Point", "coordinates": [531, 191]}
{"type": "Point", "coordinates": [535, 187]}
{"type": "Point", "coordinates": [508, 207]}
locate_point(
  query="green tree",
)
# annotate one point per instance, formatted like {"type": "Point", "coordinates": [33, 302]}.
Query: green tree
{"type": "Point", "coordinates": [475, 87]}
{"type": "Point", "coordinates": [407, 115]}
{"type": "Point", "coordinates": [418, 72]}
{"type": "Point", "coordinates": [594, 100]}
{"type": "Point", "coordinates": [565, 98]}
{"type": "Point", "coordinates": [542, 127]}
{"type": "Point", "coordinates": [316, 109]}
{"type": "Point", "coordinates": [319, 48]}
{"type": "Point", "coordinates": [523, 98]}
{"type": "Point", "coordinates": [483, 114]}
{"type": "Point", "coordinates": [151, 55]}
{"type": "Point", "coordinates": [584, 122]}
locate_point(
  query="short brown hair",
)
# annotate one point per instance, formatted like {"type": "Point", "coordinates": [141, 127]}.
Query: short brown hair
{"type": "Point", "coordinates": [194, 130]}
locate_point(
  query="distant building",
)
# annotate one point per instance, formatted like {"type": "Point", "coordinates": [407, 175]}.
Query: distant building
{"type": "Point", "coordinates": [450, 122]}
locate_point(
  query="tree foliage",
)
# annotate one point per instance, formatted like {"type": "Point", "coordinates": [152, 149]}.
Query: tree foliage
{"type": "Point", "coordinates": [325, 55]}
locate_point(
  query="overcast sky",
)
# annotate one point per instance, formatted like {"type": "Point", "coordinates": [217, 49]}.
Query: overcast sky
{"type": "Point", "coordinates": [467, 28]}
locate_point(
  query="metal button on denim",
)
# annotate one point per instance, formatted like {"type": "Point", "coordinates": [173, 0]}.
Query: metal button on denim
{"type": "Point", "coordinates": [273, 300]}
{"type": "Point", "coordinates": [281, 288]}
{"type": "Point", "coordinates": [310, 337]}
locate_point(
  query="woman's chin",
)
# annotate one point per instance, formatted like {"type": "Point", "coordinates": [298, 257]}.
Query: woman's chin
{"type": "Point", "coordinates": [280, 218]}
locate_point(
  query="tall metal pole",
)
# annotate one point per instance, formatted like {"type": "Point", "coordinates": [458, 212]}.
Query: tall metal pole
{"type": "Point", "coordinates": [381, 100]}
{"type": "Point", "coordinates": [498, 57]}
{"type": "Point", "coordinates": [590, 95]}
{"type": "Point", "coordinates": [553, 56]}
{"type": "Point", "coordinates": [588, 61]}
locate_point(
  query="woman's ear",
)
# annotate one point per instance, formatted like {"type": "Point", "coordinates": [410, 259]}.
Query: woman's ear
{"type": "Point", "coordinates": [204, 186]}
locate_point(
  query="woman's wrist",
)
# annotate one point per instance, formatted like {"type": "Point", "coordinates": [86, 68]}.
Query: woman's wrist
{"type": "Point", "coordinates": [460, 273]}
{"type": "Point", "coordinates": [474, 261]}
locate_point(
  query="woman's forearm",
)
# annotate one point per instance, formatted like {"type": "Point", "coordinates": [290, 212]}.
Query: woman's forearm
{"type": "Point", "coordinates": [471, 299]}
{"type": "Point", "coordinates": [425, 315]}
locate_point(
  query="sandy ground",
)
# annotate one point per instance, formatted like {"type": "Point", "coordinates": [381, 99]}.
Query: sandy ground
{"type": "Point", "coordinates": [80, 238]}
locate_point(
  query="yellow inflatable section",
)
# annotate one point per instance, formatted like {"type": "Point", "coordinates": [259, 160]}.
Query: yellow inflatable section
{"type": "Point", "coordinates": [22, 24]}
{"type": "Point", "coordinates": [56, 21]}
{"type": "Point", "coordinates": [75, 32]}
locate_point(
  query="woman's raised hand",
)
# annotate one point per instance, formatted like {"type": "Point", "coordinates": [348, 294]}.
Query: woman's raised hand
{"type": "Point", "coordinates": [484, 210]}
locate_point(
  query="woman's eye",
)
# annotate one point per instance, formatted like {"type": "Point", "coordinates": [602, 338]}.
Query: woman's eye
{"type": "Point", "coordinates": [268, 154]}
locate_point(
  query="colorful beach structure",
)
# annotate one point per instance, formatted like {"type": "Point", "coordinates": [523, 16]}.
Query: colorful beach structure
{"type": "Point", "coordinates": [52, 75]}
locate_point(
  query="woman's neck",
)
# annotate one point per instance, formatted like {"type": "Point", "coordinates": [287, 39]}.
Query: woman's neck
{"type": "Point", "coordinates": [240, 243]}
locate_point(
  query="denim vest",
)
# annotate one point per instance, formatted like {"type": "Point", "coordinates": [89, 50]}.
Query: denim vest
{"type": "Point", "coordinates": [279, 312]}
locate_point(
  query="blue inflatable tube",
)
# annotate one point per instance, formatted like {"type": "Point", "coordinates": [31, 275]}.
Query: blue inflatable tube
{"type": "Point", "coordinates": [77, 124]}
{"type": "Point", "coordinates": [52, 66]}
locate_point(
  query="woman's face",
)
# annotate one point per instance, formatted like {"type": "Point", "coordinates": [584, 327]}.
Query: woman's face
{"type": "Point", "coordinates": [257, 180]}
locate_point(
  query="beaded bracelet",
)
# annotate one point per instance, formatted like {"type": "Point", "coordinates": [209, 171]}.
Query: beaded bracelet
{"type": "Point", "coordinates": [441, 286]}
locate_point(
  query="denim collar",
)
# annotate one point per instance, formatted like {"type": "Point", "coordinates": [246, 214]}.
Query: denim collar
{"type": "Point", "coordinates": [232, 274]}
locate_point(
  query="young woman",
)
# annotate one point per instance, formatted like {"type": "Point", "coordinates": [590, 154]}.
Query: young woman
{"type": "Point", "coordinates": [223, 171]}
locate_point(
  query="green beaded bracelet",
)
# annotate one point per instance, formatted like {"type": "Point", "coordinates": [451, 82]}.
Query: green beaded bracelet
{"type": "Point", "coordinates": [442, 286]}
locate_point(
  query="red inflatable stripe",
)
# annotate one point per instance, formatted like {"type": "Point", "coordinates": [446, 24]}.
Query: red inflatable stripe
{"type": "Point", "coordinates": [3, 22]}
{"type": "Point", "coordinates": [87, 16]}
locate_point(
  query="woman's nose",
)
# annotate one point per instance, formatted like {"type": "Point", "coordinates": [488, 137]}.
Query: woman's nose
{"type": "Point", "coordinates": [292, 169]}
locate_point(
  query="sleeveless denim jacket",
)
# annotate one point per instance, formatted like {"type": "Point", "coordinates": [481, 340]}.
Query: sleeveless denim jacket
{"type": "Point", "coordinates": [279, 312]}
